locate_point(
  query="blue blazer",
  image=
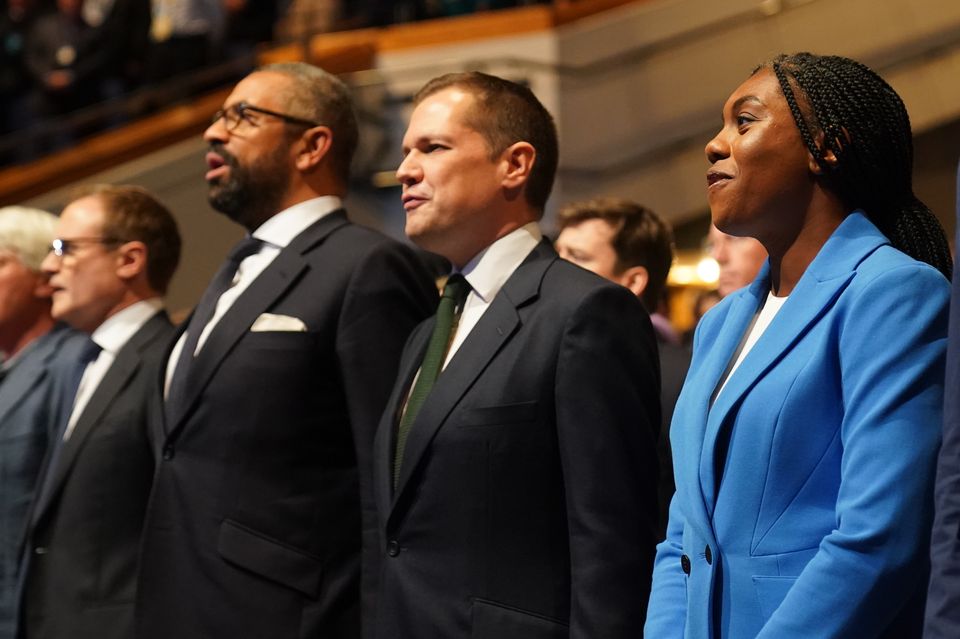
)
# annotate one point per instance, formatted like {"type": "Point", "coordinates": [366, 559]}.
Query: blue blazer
{"type": "Point", "coordinates": [29, 416]}
{"type": "Point", "coordinates": [803, 501]}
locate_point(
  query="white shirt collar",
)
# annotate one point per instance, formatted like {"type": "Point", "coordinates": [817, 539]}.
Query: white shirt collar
{"type": "Point", "coordinates": [280, 229]}
{"type": "Point", "coordinates": [489, 269]}
{"type": "Point", "coordinates": [117, 329]}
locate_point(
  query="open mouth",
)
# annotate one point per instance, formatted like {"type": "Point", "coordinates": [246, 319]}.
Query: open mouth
{"type": "Point", "coordinates": [216, 166]}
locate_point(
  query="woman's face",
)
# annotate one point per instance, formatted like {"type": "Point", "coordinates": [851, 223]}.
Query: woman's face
{"type": "Point", "coordinates": [760, 178]}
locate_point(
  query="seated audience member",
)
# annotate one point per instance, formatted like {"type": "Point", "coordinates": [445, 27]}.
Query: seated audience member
{"type": "Point", "coordinates": [34, 349]}
{"type": "Point", "coordinates": [184, 36]}
{"type": "Point", "coordinates": [631, 245]}
{"type": "Point", "coordinates": [805, 437]}
{"type": "Point", "coordinates": [116, 249]}
{"type": "Point", "coordinates": [739, 258]}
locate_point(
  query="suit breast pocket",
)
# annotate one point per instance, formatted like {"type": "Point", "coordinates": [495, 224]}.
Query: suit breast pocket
{"type": "Point", "coordinates": [501, 415]}
{"type": "Point", "coordinates": [492, 620]}
{"type": "Point", "coordinates": [289, 341]}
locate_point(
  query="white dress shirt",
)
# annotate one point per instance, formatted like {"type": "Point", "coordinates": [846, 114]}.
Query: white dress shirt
{"type": "Point", "coordinates": [487, 272]}
{"type": "Point", "coordinates": [110, 336]}
{"type": "Point", "coordinates": [276, 233]}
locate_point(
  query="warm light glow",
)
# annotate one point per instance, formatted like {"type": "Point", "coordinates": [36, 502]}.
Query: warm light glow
{"type": "Point", "coordinates": [682, 275]}
{"type": "Point", "coordinates": [708, 270]}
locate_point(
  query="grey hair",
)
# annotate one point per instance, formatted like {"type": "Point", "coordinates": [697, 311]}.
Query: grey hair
{"type": "Point", "coordinates": [27, 233]}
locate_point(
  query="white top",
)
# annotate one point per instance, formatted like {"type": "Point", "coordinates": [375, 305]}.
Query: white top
{"type": "Point", "coordinates": [487, 272]}
{"type": "Point", "coordinates": [276, 233]}
{"type": "Point", "coordinates": [110, 336]}
{"type": "Point", "coordinates": [768, 311]}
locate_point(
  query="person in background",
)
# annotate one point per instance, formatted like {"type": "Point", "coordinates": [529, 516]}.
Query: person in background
{"type": "Point", "coordinates": [739, 258]}
{"type": "Point", "coordinates": [942, 619]}
{"type": "Point", "coordinates": [631, 245]}
{"type": "Point", "coordinates": [116, 250]}
{"type": "Point", "coordinates": [35, 349]}
{"type": "Point", "coordinates": [806, 434]}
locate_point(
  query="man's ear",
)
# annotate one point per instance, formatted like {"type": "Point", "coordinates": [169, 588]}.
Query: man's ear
{"type": "Point", "coordinates": [518, 159]}
{"type": "Point", "coordinates": [635, 278]}
{"type": "Point", "coordinates": [314, 145]}
{"type": "Point", "coordinates": [131, 260]}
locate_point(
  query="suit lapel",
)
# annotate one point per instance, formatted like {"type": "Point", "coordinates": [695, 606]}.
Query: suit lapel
{"type": "Point", "coordinates": [17, 386]}
{"type": "Point", "coordinates": [815, 293]}
{"type": "Point", "coordinates": [123, 368]}
{"type": "Point", "coordinates": [263, 292]}
{"type": "Point", "coordinates": [499, 323]}
{"type": "Point", "coordinates": [387, 431]}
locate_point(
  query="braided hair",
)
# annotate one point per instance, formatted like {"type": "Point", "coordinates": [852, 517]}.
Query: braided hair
{"type": "Point", "coordinates": [842, 106]}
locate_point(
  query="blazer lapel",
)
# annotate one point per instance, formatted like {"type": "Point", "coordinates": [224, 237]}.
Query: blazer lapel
{"type": "Point", "coordinates": [496, 327]}
{"type": "Point", "coordinates": [123, 368]}
{"type": "Point", "coordinates": [262, 293]}
{"type": "Point", "coordinates": [26, 375]}
{"type": "Point", "coordinates": [815, 293]}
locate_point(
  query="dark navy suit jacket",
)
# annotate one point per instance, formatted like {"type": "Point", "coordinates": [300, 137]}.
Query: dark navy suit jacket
{"type": "Point", "coordinates": [943, 598]}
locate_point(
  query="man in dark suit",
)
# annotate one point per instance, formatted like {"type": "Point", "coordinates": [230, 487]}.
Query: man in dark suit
{"type": "Point", "coordinates": [516, 489]}
{"type": "Point", "coordinates": [943, 598]}
{"type": "Point", "coordinates": [34, 349]}
{"type": "Point", "coordinates": [116, 249]}
{"type": "Point", "coordinates": [631, 245]}
{"type": "Point", "coordinates": [274, 389]}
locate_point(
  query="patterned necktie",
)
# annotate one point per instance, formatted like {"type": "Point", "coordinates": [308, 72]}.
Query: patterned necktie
{"type": "Point", "coordinates": [204, 312]}
{"type": "Point", "coordinates": [448, 314]}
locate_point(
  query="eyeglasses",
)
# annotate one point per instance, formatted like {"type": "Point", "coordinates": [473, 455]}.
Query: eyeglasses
{"type": "Point", "coordinates": [61, 247]}
{"type": "Point", "coordinates": [234, 114]}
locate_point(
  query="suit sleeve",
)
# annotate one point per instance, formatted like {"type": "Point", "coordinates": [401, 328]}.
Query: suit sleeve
{"type": "Point", "coordinates": [389, 293]}
{"type": "Point", "coordinates": [943, 599]}
{"type": "Point", "coordinates": [608, 416]}
{"type": "Point", "coordinates": [891, 346]}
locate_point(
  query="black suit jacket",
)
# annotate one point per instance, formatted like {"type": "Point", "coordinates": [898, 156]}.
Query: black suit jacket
{"type": "Point", "coordinates": [254, 525]}
{"type": "Point", "coordinates": [526, 503]}
{"type": "Point", "coordinates": [84, 533]}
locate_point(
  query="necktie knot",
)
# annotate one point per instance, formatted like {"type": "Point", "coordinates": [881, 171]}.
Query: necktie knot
{"type": "Point", "coordinates": [244, 248]}
{"type": "Point", "coordinates": [89, 352]}
{"type": "Point", "coordinates": [457, 288]}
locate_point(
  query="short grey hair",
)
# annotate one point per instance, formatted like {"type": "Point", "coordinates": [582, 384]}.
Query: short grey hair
{"type": "Point", "coordinates": [27, 233]}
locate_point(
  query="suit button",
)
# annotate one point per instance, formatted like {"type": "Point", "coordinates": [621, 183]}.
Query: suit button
{"type": "Point", "coordinates": [685, 564]}
{"type": "Point", "coordinates": [393, 548]}
{"type": "Point", "coordinates": [40, 550]}
{"type": "Point", "coordinates": [168, 452]}
{"type": "Point", "coordinates": [708, 555]}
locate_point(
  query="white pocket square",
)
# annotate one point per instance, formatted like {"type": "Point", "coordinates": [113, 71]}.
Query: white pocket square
{"type": "Point", "coordinates": [270, 322]}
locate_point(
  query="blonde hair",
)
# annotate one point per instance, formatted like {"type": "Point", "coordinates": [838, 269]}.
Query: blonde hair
{"type": "Point", "coordinates": [27, 233]}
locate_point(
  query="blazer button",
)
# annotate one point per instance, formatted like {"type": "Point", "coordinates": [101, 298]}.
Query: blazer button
{"type": "Point", "coordinates": [685, 564]}
{"type": "Point", "coordinates": [708, 555]}
{"type": "Point", "coordinates": [393, 548]}
{"type": "Point", "coordinates": [40, 550]}
{"type": "Point", "coordinates": [168, 452]}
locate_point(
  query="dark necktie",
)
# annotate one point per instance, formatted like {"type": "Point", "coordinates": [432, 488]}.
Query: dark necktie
{"type": "Point", "coordinates": [204, 312]}
{"type": "Point", "coordinates": [88, 353]}
{"type": "Point", "coordinates": [448, 314]}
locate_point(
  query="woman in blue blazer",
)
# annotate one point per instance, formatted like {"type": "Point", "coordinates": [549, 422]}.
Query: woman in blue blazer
{"type": "Point", "coordinates": [805, 437]}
